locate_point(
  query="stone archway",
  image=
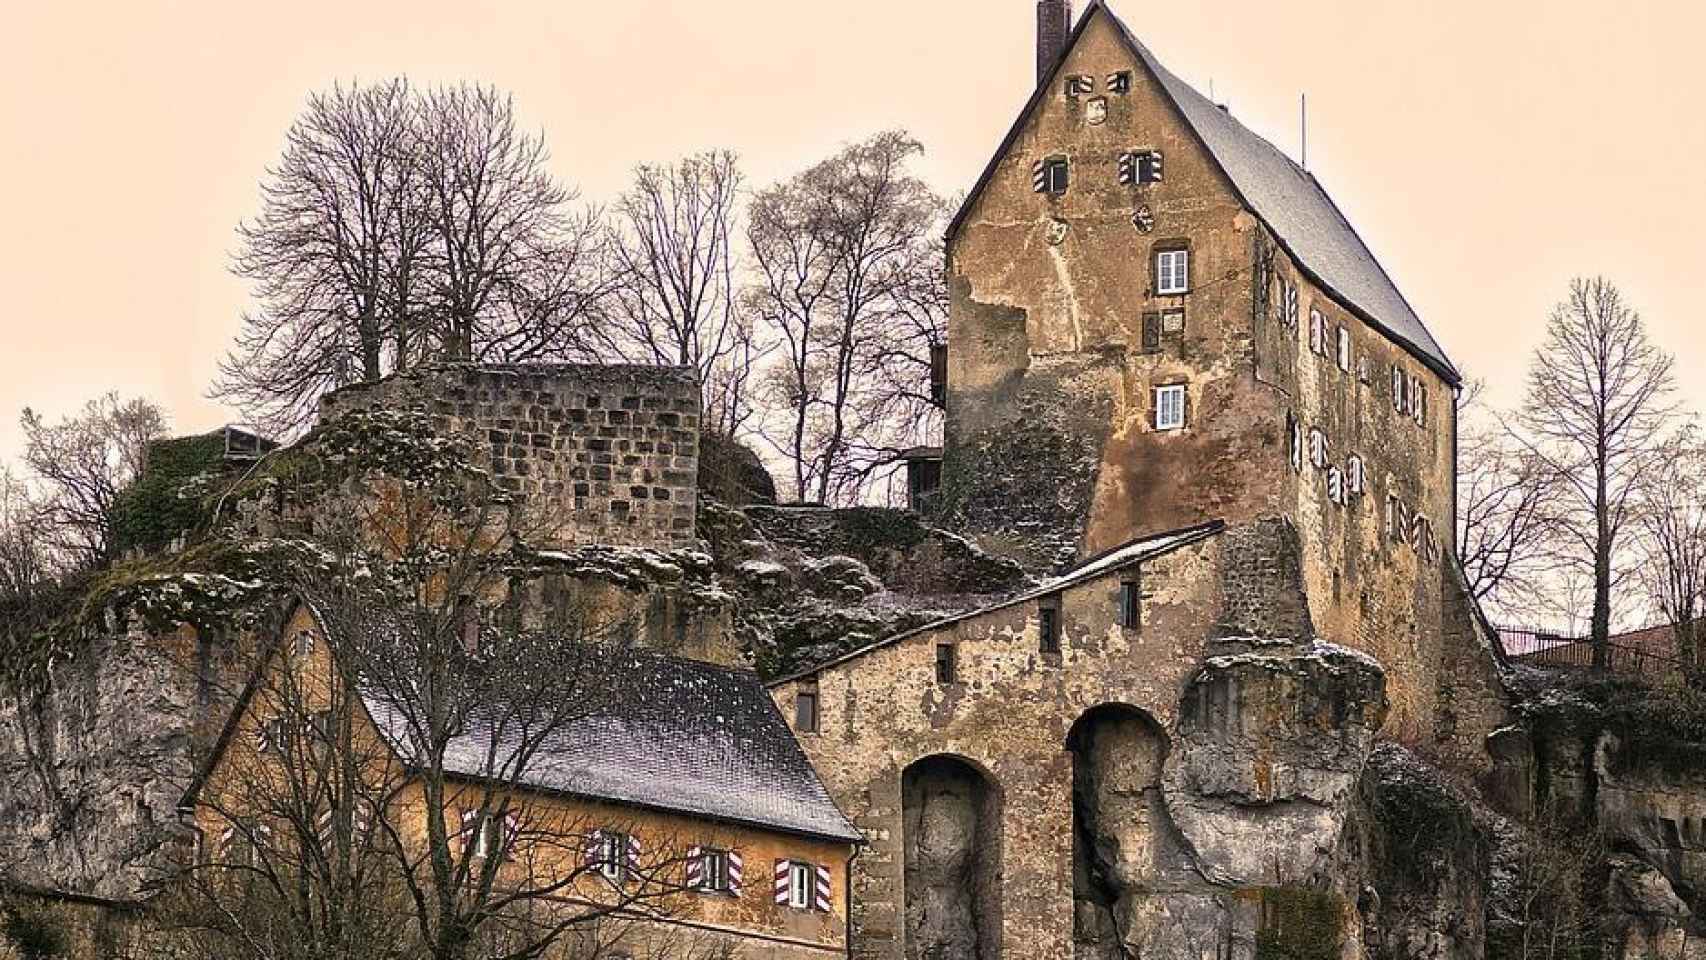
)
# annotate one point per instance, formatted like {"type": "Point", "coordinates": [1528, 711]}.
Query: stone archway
{"type": "Point", "coordinates": [1119, 826]}
{"type": "Point", "coordinates": [951, 823]}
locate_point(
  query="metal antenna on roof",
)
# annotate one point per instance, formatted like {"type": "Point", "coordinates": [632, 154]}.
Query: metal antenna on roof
{"type": "Point", "coordinates": [1303, 121]}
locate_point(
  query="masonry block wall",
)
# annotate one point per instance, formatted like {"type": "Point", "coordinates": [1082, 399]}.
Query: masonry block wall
{"type": "Point", "coordinates": [596, 453]}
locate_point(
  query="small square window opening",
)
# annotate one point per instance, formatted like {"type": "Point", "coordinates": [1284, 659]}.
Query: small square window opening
{"type": "Point", "coordinates": [1052, 175]}
{"type": "Point", "coordinates": [945, 663]}
{"type": "Point", "coordinates": [1170, 407]}
{"type": "Point", "coordinates": [1120, 83]}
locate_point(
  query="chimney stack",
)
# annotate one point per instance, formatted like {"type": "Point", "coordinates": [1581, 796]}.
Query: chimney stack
{"type": "Point", "coordinates": [1054, 26]}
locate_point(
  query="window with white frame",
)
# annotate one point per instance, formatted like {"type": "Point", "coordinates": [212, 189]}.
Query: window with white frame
{"type": "Point", "coordinates": [1317, 332]}
{"type": "Point", "coordinates": [490, 834]}
{"type": "Point", "coordinates": [1172, 271]}
{"type": "Point", "coordinates": [713, 870]}
{"type": "Point", "coordinates": [1344, 350]}
{"type": "Point", "coordinates": [1170, 407]}
{"type": "Point", "coordinates": [802, 886]}
{"type": "Point", "coordinates": [1398, 388]}
{"type": "Point", "coordinates": [1356, 476]}
{"type": "Point", "coordinates": [612, 854]}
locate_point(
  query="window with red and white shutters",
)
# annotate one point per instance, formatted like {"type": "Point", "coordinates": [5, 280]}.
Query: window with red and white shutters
{"type": "Point", "coordinates": [802, 886]}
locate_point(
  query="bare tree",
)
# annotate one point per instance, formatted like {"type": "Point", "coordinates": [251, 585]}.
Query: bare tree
{"type": "Point", "coordinates": [1673, 544]}
{"type": "Point", "coordinates": [25, 564]}
{"type": "Point", "coordinates": [386, 807]}
{"type": "Point", "coordinates": [332, 256]}
{"type": "Point", "coordinates": [81, 464]}
{"type": "Point", "coordinates": [1597, 405]}
{"type": "Point", "coordinates": [842, 252]}
{"type": "Point", "coordinates": [1507, 509]}
{"type": "Point", "coordinates": [400, 227]}
{"type": "Point", "coordinates": [515, 273]}
{"type": "Point", "coordinates": [673, 243]}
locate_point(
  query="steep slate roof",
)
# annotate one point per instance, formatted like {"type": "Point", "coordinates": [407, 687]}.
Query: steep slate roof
{"type": "Point", "coordinates": [1287, 198]}
{"type": "Point", "coordinates": [677, 735]}
{"type": "Point", "coordinates": [1119, 558]}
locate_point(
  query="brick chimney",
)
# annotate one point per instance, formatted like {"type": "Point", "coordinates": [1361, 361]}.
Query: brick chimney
{"type": "Point", "coordinates": [1054, 26]}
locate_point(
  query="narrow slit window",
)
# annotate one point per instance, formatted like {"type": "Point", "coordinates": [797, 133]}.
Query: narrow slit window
{"type": "Point", "coordinates": [945, 663]}
{"type": "Point", "coordinates": [805, 711]}
{"type": "Point", "coordinates": [1172, 271]}
{"type": "Point", "coordinates": [1170, 407]}
{"type": "Point", "coordinates": [1131, 608]}
{"type": "Point", "coordinates": [1344, 350]}
{"type": "Point", "coordinates": [1048, 625]}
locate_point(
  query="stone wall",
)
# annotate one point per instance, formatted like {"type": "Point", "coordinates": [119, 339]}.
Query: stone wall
{"type": "Point", "coordinates": [596, 454]}
{"type": "Point", "coordinates": [1155, 780]}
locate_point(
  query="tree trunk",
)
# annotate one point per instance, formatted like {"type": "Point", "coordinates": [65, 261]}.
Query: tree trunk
{"type": "Point", "coordinates": [1601, 635]}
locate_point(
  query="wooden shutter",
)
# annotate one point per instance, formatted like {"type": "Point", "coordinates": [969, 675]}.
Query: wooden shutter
{"type": "Point", "coordinates": [1039, 176]}
{"type": "Point", "coordinates": [592, 848]}
{"type": "Point", "coordinates": [695, 868]}
{"type": "Point", "coordinates": [782, 870]}
{"type": "Point", "coordinates": [823, 889]}
{"type": "Point", "coordinates": [633, 854]}
{"type": "Point", "coordinates": [1127, 169]}
{"type": "Point", "coordinates": [735, 872]}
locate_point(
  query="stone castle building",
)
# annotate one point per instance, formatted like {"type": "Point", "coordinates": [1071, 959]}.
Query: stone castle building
{"type": "Point", "coordinates": [1167, 664]}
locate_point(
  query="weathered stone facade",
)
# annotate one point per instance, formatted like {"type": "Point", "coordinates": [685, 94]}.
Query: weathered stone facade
{"type": "Point", "coordinates": [1197, 767]}
{"type": "Point", "coordinates": [1059, 340]}
{"type": "Point", "coordinates": [596, 454]}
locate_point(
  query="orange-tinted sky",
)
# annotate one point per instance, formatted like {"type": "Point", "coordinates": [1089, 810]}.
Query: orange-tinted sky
{"type": "Point", "coordinates": [1486, 150]}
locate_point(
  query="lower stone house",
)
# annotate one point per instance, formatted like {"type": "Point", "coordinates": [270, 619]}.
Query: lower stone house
{"type": "Point", "coordinates": [1152, 755]}
{"type": "Point", "coordinates": [675, 816]}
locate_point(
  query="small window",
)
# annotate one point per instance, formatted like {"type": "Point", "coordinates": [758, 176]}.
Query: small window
{"type": "Point", "coordinates": [1120, 83]}
{"type": "Point", "coordinates": [615, 855]}
{"type": "Point", "coordinates": [939, 374]}
{"type": "Point", "coordinates": [945, 663]}
{"type": "Point", "coordinates": [1317, 448]}
{"type": "Point", "coordinates": [1335, 485]}
{"type": "Point", "coordinates": [1170, 407]}
{"type": "Point", "coordinates": [1317, 332]}
{"type": "Point", "coordinates": [805, 711]}
{"type": "Point", "coordinates": [1362, 370]}
{"type": "Point", "coordinates": [1296, 444]}
{"type": "Point", "coordinates": [802, 880]}
{"type": "Point", "coordinates": [1080, 84]}
{"type": "Point", "coordinates": [1051, 176]}
{"type": "Point", "coordinates": [1152, 333]}
{"type": "Point", "coordinates": [490, 834]}
{"type": "Point", "coordinates": [708, 870]}
{"type": "Point", "coordinates": [304, 643]}
{"type": "Point", "coordinates": [1131, 606]}
{"type": "Point", "coordinates": [272, 735]}
{"type": "Point", "coordinates": [1344, 350]}
{"type": "Point", "coordinates": [1291, 305]}
{"type": "Point", "coordinates": [1356, 475]}
{"type": "Point", "coordinates": [1398, 388]}
{"type": "Point", "coordinates": [1172, 271]}
{"type": "Point", "coordinates": [1048, 625]}
{"type": "Point", "coordinates": [1140, 166]}
{"type": "Point", "coordinates": [1419, 391]}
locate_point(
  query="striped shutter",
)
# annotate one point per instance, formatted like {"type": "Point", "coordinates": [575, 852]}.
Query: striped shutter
{"type": "Point", "coordinates": [633, 854]}
{"type": "Point", "coordinates": [734, 872]}
{"type": "Point", "coordinates": [1397, 388]}
{"type": "Point", "coordinates": [695, 868]}
{"type": "Point", "coordinates": [782, 870]}
{"type": "Point", "coordinates": [1291, 304]}
{"type": "Point", "coordinates": [466, 832]}
{"type": "Point", "coordinates": [592, 848]}
{"type": "Point", "coordinates": [512, 829]}
{"type": "Point", "coordinates": [1039, 176]}
{"type": "Point", "coordinates": [822, 901]}
{"type": "Point", "coordinates": [1128, 168]}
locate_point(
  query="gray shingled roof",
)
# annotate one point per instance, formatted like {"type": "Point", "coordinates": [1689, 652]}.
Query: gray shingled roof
{"type": "Point", "coordinates": [683, 736]}
{"type": "Point", "coordinates": [1285, 196]}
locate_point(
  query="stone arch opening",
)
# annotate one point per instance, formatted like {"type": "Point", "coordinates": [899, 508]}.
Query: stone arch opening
{"type": "Point", "coordinates": [951, 833]}
{"type": "Point", "coordinates": [1119, 826]}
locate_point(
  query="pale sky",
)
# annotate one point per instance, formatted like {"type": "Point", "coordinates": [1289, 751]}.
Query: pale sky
{"type": "Point", "coordinates": [1487, 151]}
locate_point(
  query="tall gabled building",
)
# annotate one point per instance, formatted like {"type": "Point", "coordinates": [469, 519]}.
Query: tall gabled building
{"type": "Point", "coordinates": [1159, 319]}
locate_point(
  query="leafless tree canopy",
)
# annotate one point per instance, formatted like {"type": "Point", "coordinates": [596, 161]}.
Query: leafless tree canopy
{"type": "Point", "coordinates": [673, 242]}
{"type": "Point", "coordinates": [81, 464]}
{"type": "Point", "coordinates": [1598, 404]}
{"type": "Point", "coordinates": [1672, 535]}
{"type": "Point", "coordinates": [847, 275]}
{"type": "Point", "coordinates": [1507, 512]}
{"type": "Point", "coordinates": [401, 226]}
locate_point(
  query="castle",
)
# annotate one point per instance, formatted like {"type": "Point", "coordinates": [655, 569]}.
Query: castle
{"type": "Point", "coordinates": [1153, 676]}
